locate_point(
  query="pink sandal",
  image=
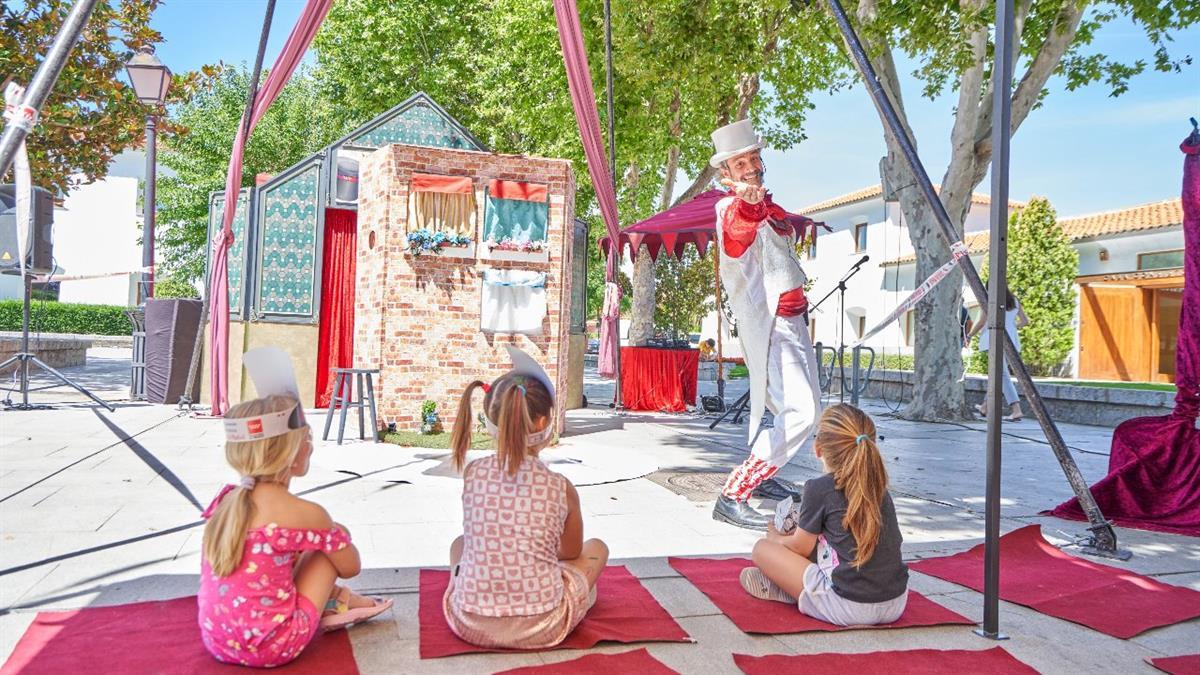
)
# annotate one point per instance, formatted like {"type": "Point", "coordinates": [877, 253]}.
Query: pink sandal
{"type": "Point", "coordinates": [339, 615]}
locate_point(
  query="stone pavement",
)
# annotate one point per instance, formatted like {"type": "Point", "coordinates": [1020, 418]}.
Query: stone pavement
{"type": "Point", "coordinates": [100, 508]}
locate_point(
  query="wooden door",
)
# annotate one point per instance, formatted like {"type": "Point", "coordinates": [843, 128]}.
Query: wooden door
{"type": "Point", "coordinates": [1115, 341]}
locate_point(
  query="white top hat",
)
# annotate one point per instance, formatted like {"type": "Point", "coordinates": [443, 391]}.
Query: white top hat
{"type": "Point", "coordinates": [734, 139]}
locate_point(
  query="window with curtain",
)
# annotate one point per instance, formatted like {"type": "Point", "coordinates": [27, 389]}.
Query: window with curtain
{"type": "Point", "coordinates": [442, 204]}
{"type": "Point", "coordinates": [515, 215]}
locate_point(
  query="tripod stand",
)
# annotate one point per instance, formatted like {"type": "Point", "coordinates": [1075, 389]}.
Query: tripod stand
{"type": "Point", "coordinates": [25, 358]}
{"type": "Point", "coordinates": [840, 289]}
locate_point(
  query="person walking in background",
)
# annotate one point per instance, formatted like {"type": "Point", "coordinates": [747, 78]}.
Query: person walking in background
{"type": "Point", "coordinates": [1014, 318]}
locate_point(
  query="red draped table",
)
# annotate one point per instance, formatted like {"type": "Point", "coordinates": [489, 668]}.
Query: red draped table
{"type": "Point", "coordinates": [659, 380]}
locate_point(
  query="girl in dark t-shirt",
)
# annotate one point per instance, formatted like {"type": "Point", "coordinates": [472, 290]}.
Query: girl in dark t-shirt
{"type": "Point", "coordinates": [842, 563]}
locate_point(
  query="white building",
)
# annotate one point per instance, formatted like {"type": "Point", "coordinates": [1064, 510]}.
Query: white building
{"type": "Point", "coordinates": [863, 224]}
{"type": "Point", "coordinates": [96, 232]}
{"type": "Point", "coordinates": [1129, 285]}
{"type": "Point", "coordinates": [1130, 281]}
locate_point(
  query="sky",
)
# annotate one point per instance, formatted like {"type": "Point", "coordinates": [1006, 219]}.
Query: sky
{"type": "Point", "coordinates": [1085, 151]}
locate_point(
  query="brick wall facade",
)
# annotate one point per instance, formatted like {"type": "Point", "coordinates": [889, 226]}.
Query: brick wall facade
{"type": "Point", "coordinates": [417, 318]}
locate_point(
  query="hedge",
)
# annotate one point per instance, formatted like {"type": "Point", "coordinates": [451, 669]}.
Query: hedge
{"type": "Point", "coordinates": [65, 317]}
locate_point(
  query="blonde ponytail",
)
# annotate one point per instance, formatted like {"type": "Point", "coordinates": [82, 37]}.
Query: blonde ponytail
{"type": "Point", "coordinates": [268, 459]}
{"type": "Point", "coordinates": [846, 438]}
{"type": "Point", "coordinates": [515, 426]}
{"type": "Point", "coordinates": [460, 436]}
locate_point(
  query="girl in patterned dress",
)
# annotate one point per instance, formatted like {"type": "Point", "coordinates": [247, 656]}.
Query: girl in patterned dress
{"type": "Point", "coordinates": [270, 559]}
{"type": "Point", "coordinates": [522, 576]}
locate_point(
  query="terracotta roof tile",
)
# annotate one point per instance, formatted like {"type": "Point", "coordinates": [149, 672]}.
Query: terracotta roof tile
{"type": "Point", "coordinates": [872, 191]}
{"type": "Point", "coordinates": [1151, 216]}
{"type": "Point", "coordinates": [1145, 217]}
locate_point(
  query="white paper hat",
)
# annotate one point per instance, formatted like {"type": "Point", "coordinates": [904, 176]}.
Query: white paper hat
{"type": "Point", "coordinates": [271, 371]}
{"type": "Point", "coordinates": [734, 139]}
{"type": "Point", "coordinates": [524, 364]}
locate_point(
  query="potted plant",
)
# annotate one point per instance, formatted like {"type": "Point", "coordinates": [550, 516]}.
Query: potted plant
{"type": "Point", "coordinates": [430, 422]}
{"type": "Point", "coordinates": [425, 241]}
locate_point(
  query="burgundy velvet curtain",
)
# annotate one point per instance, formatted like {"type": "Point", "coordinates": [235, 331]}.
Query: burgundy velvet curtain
{"type": "Point", "coordinates": [1153, 480]}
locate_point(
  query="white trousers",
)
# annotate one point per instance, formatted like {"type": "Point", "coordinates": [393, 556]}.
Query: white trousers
{"type": "Point", "coordinates": [793, 397]}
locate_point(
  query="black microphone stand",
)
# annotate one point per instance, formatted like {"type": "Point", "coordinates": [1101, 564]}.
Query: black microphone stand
{"type": "Point", "coordinates": [840, 289]}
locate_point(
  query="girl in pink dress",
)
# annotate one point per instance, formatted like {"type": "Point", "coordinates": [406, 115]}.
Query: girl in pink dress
{"type": "Point", "coordinates": [522, 577]}
{"type": "Point", "coordinates": [270, 559]}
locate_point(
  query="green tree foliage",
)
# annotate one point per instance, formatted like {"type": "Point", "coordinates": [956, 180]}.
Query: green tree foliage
{"type": "Point", "coordinates": [680, 70]}
{"type": "Point", "coordinates": [1042, 266]}
{"type": "Point", "coordinates": [92, 113]}
{"type": "Point", "coordinates": [953, 47]}
{"type": "Point", "coordinates": [298, 123]}
{"type": "Point", "coordinates": [174, 287]}
{"type": "Point", "coordinates": [685, 291]}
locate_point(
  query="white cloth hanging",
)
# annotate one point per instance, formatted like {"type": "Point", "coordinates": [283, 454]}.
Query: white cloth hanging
{"type": "Point", "coordinates": [514, 301]}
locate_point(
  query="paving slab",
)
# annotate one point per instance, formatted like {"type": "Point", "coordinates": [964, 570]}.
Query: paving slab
{"type": "Point", "coordinates": [101, 508]}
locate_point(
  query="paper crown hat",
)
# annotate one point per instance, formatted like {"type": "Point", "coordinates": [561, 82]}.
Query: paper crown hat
{"type": "Point", "coordinates": [271, 371]}
{"type": "Point", "coordinates": [525, 365]}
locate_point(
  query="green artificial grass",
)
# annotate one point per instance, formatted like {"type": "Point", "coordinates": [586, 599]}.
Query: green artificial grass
{"type": "Point", "coordinates": [416, 439]}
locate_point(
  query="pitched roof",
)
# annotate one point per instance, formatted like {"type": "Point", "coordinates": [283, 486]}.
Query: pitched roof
{"type": "Point", "coordinates": [1154, 215]}
{"type": "Point", "coordinates": [873, 191]}
{"type": "Point", "coordinates": [1150, 216]}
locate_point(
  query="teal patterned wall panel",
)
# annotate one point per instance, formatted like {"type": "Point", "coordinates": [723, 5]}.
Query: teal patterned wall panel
{"type": "Point", "coordinates": [289, 245]}
{"type": "Point", "coordinates": [237, 252]}
{"type": "Point", "coordinates": [421, 125]}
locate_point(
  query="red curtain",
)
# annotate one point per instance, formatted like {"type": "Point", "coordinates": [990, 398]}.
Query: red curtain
{"type": "Point", "coordinates": [336, 326]}
{"type": "Point", "coordinates": [660, 380]}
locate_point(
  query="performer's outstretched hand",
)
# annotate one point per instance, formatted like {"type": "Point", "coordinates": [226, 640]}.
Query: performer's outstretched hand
{"type": "Point", "coordinates": [751, 194]}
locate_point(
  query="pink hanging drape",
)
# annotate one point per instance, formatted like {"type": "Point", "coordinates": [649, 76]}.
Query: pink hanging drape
{"type": "Point", "coordinates": [583, 99]}
{"type": "Point", "coordinates": [218, 327]}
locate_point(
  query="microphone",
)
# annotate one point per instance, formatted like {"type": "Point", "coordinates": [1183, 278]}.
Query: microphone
{"type": "Point", "coordinates": [864, 259]}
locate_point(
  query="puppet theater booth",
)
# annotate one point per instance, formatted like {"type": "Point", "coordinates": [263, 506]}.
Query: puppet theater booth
{"type": "Point", "coordinates": [333, 261]}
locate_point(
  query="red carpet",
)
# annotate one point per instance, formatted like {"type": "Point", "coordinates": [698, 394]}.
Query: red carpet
{"type": "Point", "coordinates": [637, 661]}
{"type": "Point", "coordinates": [718, 579]}
{"type": "Point", "coordinates": [147, 637]}
{"type": "Point", "coordinates": [1035, 574]}
{"type": "Point", "coordinates": [624, 612]}
{"type": "Point", "coordinates": [1178, 665]}
{"type": "Point", "coordinates": [910, 662]}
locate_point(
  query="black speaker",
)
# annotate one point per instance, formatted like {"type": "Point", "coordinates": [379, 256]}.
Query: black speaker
{"type": "Point", "coordinates": [39, 250]}
{"type": "Point", "coordinates": [172, 329]}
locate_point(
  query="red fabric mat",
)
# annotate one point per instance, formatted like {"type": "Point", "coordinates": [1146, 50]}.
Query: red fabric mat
{"type": "Point", "coordinates": [637, 661]}
{"type": "Point", "coordinates": [1035, 574]}
{"type": "Point", "coordinates": [908, 662]}
{"type": "Point", "coordinates": [718, 579]}
{"type": "Point", "coordinates": [624, 612]}
{"type": "Point", "coordinates": [147, 637]}
{"type": "Point", "coordinates": [659, 380]}
{"type": "Point", "coordinates": [1178, 665]}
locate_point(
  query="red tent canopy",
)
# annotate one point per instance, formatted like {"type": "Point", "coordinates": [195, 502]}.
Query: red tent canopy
{"type": "Point", "coordinates": [693, 222]}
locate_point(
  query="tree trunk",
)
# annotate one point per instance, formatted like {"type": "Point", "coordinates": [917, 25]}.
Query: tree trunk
{"type": "Point", "coordinates": [641, 310]}
{"type": "Point", "coordinates": [938, 347]}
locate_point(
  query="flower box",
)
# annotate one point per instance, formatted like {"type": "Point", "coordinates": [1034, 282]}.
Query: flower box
{"type": "Point", "coordinates": [425, 242]}
{"type": "Point", "coordinates": [516, 252]}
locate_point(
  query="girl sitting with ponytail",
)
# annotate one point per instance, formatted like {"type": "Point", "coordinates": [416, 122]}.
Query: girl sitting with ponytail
{"type": "Point", "coordinates": [848, 521]}
{"type": "Point", "coordinates": [522, 577]}
{"type": "Point", "coordinates": [270, 559]}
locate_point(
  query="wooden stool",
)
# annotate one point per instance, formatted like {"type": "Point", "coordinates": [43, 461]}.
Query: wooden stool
{"type": "Point", "coordinates": [343, 399]}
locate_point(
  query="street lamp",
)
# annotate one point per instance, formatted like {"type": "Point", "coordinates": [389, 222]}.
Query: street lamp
{"type": "Point", "coordinates": [150, 80]}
